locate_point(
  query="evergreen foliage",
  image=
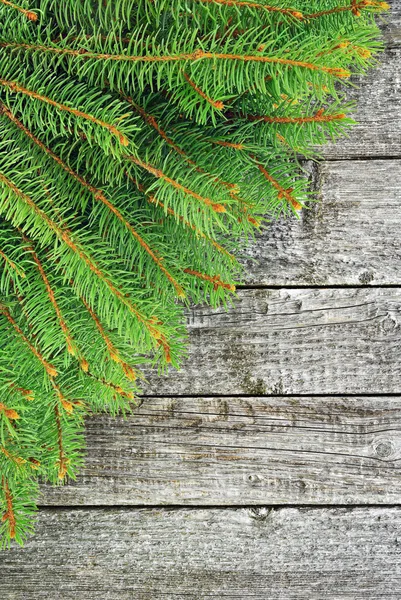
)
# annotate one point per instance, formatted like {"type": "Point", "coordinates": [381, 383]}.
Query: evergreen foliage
{"type": "Point", "coordinates": [142, 143]}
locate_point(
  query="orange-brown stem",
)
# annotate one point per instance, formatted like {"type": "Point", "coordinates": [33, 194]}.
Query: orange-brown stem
{"type": "Point", "coordinates": [355, 7]}
{"type": "Point", "coordinates": [150, 198]}
{"type": "Point", "coordinates": [154, 256]}
{"type": "Point", "coordinates": [113, 352]}
{"type": "Point", "coordinates": [228, 144]}
{"type": "Point", "coordinates": [49, 368]}
{"type": "Point", "coordinates": [346, 45]}
{"type": "Point", "coordinates": [67, 404]}
{"type": "Point", "coordinates": [15, 87]}
{"type": "Point", "coordinates": [282, 139]}
{"type": "Point", "coordinates": [319, 117]}
{"type": "Point", "coordinates": [118, 389]}
{"type": "Point", "coordinates": [18, 460]}
{"type": "Point", "coordinates": [27, 13]}
{"type": "Point", "coordinates": [244, 4]}
{"type": "Point", "coordinates": [10, 413]}
{"type": "Point", "coordinates": [64, 235]}
{"type": "Point", "coordinates": [243, 209]}
{"type": "Point", "coordinates": [166, 349]}
{"type": "Point", "coordinates": [219, 208]}
{"type": "Point", "coordinates": [71, 345]}
{"type": "Point", "coordinates": [153, 123]}
{"type": "Point", "coordinates": [98, 195]}
{"type": "Point", "coordinates": [28, 394]}
{"type": "Point", "coordinates": [63, 461]}
{"type": "Point", "coordinates": [282, 192]}
{"type": "Point", "coordinates": [9, 515]}
{"type": "Point", "coordinates": [190, 56]}
{"type": "Point", "coordinates": [34, 463]}
{"type": "Point", "coordinates": [12, 264]}
{"type": "Point", "coordinates": [215, 280]}
{"type": "Point", "coordinates": [215, 103]}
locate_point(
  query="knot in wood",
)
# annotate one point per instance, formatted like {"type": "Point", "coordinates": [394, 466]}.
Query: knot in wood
{"type": "Point", "coordinates": [386, 449]}
{"type": "Point", "coordinates": [253, 479]}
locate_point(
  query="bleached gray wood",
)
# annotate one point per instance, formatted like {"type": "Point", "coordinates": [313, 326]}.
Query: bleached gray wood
{"type": "Point", "coordinates": [292, 341]}
{"type": "Point", "coordinates": [378, 99]}
{"type": "Point", "coordinates": [261, 450]}
{"type": "Point", "coordinates": [285, 554]}
{"type": "Point", "coordinates": [231, 451]}
{"type": "Point", "coordinates": [378, 112]}
{"type": "Point", "coordinates": [391, 24]}
{"type": "Point", "coordinates": [351, 236]}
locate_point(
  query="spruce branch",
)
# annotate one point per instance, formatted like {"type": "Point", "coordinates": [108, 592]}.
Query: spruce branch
{"type": "Point", "coordinates": [15, 87]}
{"type": "Point", "coordinates": [32, 16]}
{"type": "Point", "coordinates": [142, 144]}
{"type": "Point", "coordinates": [49, 368]}
{"type": "Point", "coordinates": [244, 4]}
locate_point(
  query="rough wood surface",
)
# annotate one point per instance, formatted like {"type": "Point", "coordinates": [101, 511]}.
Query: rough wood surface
{"type": "Point", "coordinates": [227, 451]}
{"type": "Point", "coordinates": [351, 236]}
{"type": "Point", "coordinates": [378, 113]}
{"type": "Point", "coordinates": [378, 98]}
{"type": "Point", "coordinates": [292, 341]}
{"type": "Point", "coordinates": [285, 554]}
{"type": "Point", "coordinates": [261, 450]}
{"type": "Point", "coordinates": [391, 24]}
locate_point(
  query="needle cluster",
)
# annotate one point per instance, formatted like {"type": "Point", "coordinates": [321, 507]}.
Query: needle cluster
{"type": "Point", "coordinates": [142, 143]}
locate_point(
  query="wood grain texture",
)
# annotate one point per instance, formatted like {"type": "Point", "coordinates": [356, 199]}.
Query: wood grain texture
{"type": "Point", "coordinates": [391, 24]}
{"type": "Point", "coordinates": [349, 237]}
{"type": "Point", "coordinates": [378, 99]}
{"type": "Point", "coordinates": [261, 450]}
{"type": "Point", "coordinates": [227, 451]}
{"type": "Point", "coordinates": [292, 341]}
{"type": "Point", "coordinates": [285, 554]}
{"type": "Point", "coordinates": [378, 113]}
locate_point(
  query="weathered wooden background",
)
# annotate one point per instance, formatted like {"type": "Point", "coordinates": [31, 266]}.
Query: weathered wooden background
{"type": "Point", "coordinates": [269, 467]}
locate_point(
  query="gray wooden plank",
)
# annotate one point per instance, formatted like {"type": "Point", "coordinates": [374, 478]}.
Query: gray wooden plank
{"type": "Point", "coordinates": [378, 112]}
{"type": "Point", "coordinates": [227, 451]}
{"type": "Point", "coordinates": [349, 237]}
{"type": "Point", "coordinates": [391, 24]}
{"type": "Point", "coordinates": [292, 341]}
{"type": "Point", "coordinates": [285, 554]}
{"type": "Point", "coordinates": [378, 99]}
